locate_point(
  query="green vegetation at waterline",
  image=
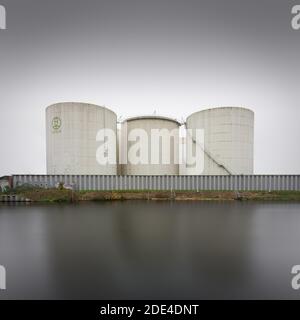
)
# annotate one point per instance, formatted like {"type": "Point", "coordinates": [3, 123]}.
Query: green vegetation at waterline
{"type": "Point", "coordinates": [64, 195]}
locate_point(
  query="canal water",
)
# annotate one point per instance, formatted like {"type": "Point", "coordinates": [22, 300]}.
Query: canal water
{"type": "Point", "coordinates": [150, 250]}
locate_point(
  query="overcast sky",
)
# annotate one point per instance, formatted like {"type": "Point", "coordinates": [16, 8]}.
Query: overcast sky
{"type": "Point", "coordinates": [137, 56]}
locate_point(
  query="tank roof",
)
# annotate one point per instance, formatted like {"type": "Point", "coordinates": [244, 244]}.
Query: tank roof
{"type": "Point", "coordinates": [151, 117]}
{"type": "Point", "coordinates": [219, 108]}
{"type": "Point", "coordinates": [79, 103]}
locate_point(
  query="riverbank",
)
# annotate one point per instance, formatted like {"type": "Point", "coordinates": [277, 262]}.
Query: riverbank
{"type": "Point", "coordinates": [56, 195]}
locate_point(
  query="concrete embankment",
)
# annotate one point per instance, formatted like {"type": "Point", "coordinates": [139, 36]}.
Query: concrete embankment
{"type": "Point", "coordinates": [13, 198]}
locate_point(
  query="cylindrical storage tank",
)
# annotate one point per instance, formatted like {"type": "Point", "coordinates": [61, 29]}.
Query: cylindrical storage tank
{"type": "Point", "coordinates": [149, 146]}
{"type": "Point", "coordinates": [227, 141]}
{"type": "Point", "coordinates": [75, 133]}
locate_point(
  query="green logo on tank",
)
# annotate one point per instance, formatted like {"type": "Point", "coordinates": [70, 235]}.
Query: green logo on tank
{"type": "Point", "coordinates": [56, 123]}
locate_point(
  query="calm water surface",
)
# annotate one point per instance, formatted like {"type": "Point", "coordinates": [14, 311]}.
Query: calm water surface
{"type": "Point", "coordinates": [145, 250]}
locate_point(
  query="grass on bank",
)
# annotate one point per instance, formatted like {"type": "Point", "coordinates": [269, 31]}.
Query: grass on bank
{"type": "Point", "coordinates": [64, 195]}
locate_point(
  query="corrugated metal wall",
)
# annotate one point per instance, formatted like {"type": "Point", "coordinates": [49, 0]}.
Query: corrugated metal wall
{"type": "Point", "coordinates": [93, 182]}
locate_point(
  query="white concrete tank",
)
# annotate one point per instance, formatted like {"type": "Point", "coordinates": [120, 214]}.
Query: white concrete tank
{"type": "Point", "coordinates": [228, 140]}
{"type": "Point", "coordinates": [71, 131]}
{"type": "Point", "coordinates": [149, 144]}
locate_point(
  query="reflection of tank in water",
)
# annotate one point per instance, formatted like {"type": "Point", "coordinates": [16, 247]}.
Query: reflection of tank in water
{"type": "Point", "coordinates": [139, 250]}
{"type": "Point", "coordinates": [178, 244]}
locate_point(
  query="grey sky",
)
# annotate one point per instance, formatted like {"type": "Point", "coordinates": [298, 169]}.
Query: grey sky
{"type": "Point", "coordinates": [136, 56]}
